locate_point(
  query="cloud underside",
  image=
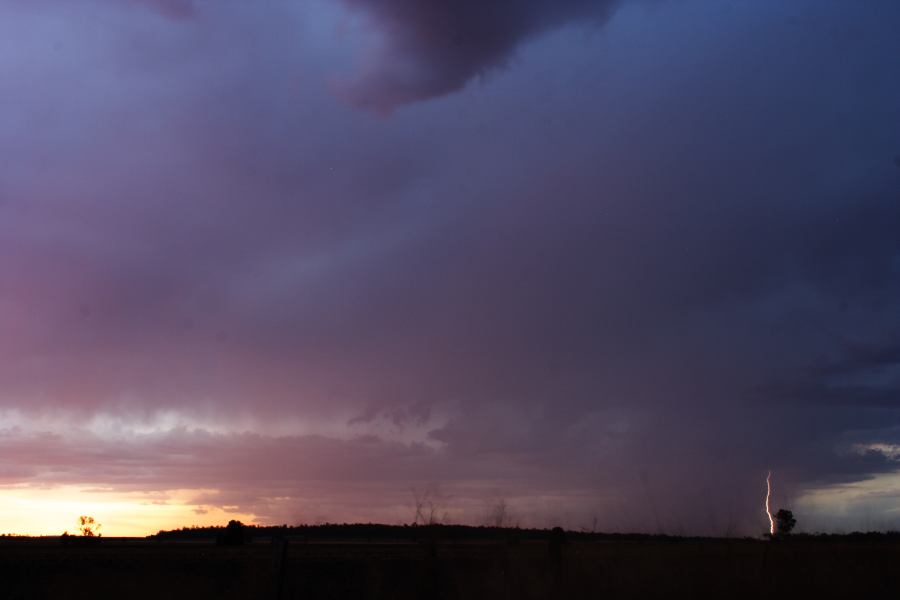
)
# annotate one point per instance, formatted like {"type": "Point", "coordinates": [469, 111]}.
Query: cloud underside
{"type": "Point", "coordinates": [430, 49]}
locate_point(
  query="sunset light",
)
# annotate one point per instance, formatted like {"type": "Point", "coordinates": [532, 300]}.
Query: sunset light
{"type": "Point", "coordinates": [51, 511]}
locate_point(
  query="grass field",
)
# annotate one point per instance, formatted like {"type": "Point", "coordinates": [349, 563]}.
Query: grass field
{"type": "Point", "coordinates": [118, 568]}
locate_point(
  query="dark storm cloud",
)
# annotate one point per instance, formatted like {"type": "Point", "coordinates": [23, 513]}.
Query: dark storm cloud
{"type": "Point", "coordinates": [863, 380]}
{"type": "Point", "coordinates": [435, 47]}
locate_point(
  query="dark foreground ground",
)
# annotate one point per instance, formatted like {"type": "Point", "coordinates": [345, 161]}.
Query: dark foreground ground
{"type": "Point", "coordinates": [466, 570]}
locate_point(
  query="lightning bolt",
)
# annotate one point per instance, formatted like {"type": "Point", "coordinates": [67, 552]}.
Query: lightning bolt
{"type": "Point", "coordinates": [768, 510]}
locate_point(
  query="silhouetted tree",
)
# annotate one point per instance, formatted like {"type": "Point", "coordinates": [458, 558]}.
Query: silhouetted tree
{"type": "Point", "coordinates": [89, 527]}
{"type": "Point", "coordinates": [429, 505]}
{"type": "Point", "coordinates": [234, 534]}
{"type": "Point", "coordinates": [498, 514]}
{"type": "Point", "coordinates": [784, 522]}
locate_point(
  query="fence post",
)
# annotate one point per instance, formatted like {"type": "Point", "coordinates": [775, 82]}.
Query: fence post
{"type": "Point", "coordinates": [557, 539]}
{"type": "Point", "coordinates": [279, 563]}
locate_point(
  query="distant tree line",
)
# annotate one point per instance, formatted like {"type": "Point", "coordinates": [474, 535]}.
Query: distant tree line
{"type": "Point", "coordinates": [237, 533]}
{"type": "Point", "coordinates": [374, 531]}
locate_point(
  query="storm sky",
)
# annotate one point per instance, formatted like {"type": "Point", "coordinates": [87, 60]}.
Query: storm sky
{"type": "Point", "coordinates": [303, 260]}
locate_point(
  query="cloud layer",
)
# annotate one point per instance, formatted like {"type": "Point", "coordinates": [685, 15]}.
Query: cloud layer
{"type": "Point", "coordinates": [623, 278]}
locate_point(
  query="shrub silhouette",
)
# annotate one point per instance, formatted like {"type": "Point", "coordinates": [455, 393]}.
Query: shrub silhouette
{"type": "Point", "coordinates": [784, 522]}
{"type": "Point", "coordinates": [234, 534]}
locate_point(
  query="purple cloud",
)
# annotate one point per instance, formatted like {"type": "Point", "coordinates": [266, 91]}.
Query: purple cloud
{"type": "Point", "coordinates": [175, 9]}
{"type": "Point", "coordinates": [435, 47]}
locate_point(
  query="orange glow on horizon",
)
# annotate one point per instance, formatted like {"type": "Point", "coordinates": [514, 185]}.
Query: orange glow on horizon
{"type": "Point", "coordinates": [51, 511]}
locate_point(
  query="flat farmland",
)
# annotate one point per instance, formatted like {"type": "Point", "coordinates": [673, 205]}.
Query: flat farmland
{"type": "Point", "coordinates": [125, 568]}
